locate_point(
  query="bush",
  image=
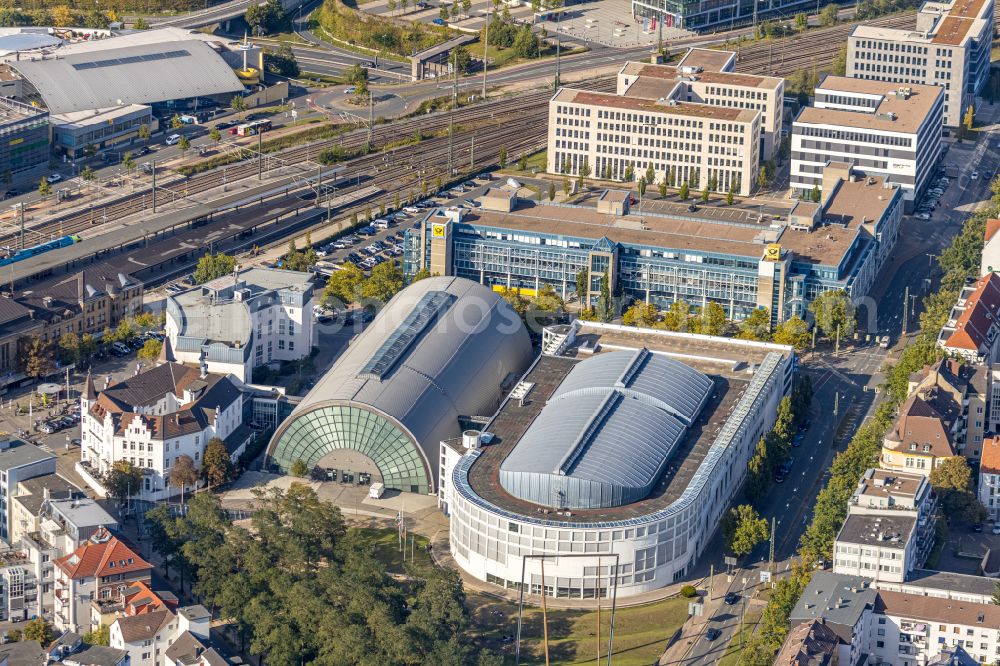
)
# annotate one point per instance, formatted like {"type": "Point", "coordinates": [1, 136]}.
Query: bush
{"type": "Point", "coordinates": [378, 33]}
{"type": "Point", "coordinates": [689, 592]}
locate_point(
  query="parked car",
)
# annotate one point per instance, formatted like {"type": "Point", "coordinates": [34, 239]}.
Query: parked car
{"type": "Point", "coordinates": [439, 21]}
{"type": "Point", "coordinates": [975, 176]}
{"type": "Point", "coordinates": [996, 529]}
{"type": "Point", "coordinates": [350, 91]}
{"type": "Point", "coordinates": [120, 349]}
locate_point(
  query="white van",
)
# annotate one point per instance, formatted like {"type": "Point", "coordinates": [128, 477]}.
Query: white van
{"type": "Point", "coordinates": [376, 491]}
{"type": "Point", "coordinates": [381, 224]}
{"type": "Point", "coordinates": [173, 139]}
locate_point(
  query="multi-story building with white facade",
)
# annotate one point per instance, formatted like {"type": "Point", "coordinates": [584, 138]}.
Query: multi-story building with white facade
{"type": "Point", "coordinates": [880, 626]}
{"type": "Point", "coordinates": [240, 322]}
{"type": "Point", "coordinates": [971, 330]}
{"type": "Point", "coordinates": [19, 460]}
{"type": "Point", "coordinates": [153, 418]}
{"type": "Point", "coordinates": [101, 568]}
{"type": "Point", "coordinates": [889, 529]}
{"type": "Point", "coordinates": [950, 47]}
{"type": "Point", "coordinates": [880, 129]}
{"type": "Point", "coordinates": [621, 463]}
{"type": "Point", "coordinates": [706, 128]}
{"type": "Point", "coordinates": [147, 637]}
{"type": "Point", "coordinates": [989, 478]}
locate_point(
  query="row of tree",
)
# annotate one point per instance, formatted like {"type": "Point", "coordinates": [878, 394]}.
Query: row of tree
{"type": "Point", "coordinates": [124, 480]}
{"type": "Point", "coordinates": [349, 285]}
{"type": "Point", "coordinates": [959, 262]}
{"type": "Point", "coordinates": [377, 33]}
{"type": "Point", "coordinates": [300, 587]}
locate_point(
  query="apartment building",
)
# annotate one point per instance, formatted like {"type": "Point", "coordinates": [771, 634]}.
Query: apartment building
{"type": "Point", "coordinates": [971, 330]}
{"type": "Point", "coordinates": [706, 128]}
{"type": "Point", "coordinates": [239, 322]}
{"type": "Point", "coordinates": [148, 637]}
{"type": "Point", "coordinates": [961, 394]}
{"type": "Point", "coordinates": [889, 529]}
{"type": "Point", "coordinates": [989, 478]}
{"type": "Point", "coordinates": [153, 418]}
{"type": "Point", "coordinates": [101, 568]}
{"type": "Point", "coordinates": [991, 248]}
{"type": "Point", "coordinates": [18, 461]}
{"type": "Point", "coordinates": [920, 439]}
{"type": "Point", "coordinates": [949, 47]}
{"type": "Point", "coordinates": [879, 128]}
{"type": "Point", "coordinates": [879, 626]}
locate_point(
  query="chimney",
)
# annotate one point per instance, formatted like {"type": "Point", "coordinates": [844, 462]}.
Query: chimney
{"type": "Point", "coordinates": [79, 287]}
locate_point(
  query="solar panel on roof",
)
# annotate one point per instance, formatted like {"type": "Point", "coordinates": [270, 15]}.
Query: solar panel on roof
{"type": "Point", "coordinates": [426, 310]}
{"type": "Point", "coordinates": [127, 60]}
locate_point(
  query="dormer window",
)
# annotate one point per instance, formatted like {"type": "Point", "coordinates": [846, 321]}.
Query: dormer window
{"type": "Point", "coordinates": [111, 564]}
{"type": "Point", "coordinates": [913, 447]}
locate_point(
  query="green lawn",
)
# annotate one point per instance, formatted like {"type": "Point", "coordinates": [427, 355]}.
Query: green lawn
{"type": "Point", "coordinates": [387, 551]}
{"type": "Point", "coordinates": [641, 633]}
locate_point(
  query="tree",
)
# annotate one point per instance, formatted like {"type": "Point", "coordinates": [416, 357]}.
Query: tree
{"type": "Point", "coordinates": [650, 174]}
{"type": "Point", "coordinates": [566, 187]}
{"type": "Point", "coordinates": [839, 66]}
{"type": "Point", "coordinates": [62, 16]}
{"type": "Point", "coordinates": [69, 348]}
{"type": "Point", "coordinates": [128, 162]}
{"type": "Point", "coordinates": [422, 274]}
{"type": "Point", "coordinates": [730, 196]}
{"type": "Point", "coordinates": [640, 314]}
{"type": "Point", "coordinates": [829, 15]}
{"type": "Point", "coordinates": [87, 173]}
{"type": "Point", "coordinates": [712, 319]}
{"type": "Point", "coordinates": [583, 285]}
{"type": "Point", "coordinates": [516, 301]}
{"type": "Point", "coordinates": [676, 317]}
{"type": "Point", "coordinates": [584, 170]}
{"type": "Point", "coordinates": [343, 286]}
{"type": "Point", "coordinates": [801, 21]}
{"type": "Point", "coordinates": [641, 185]}
{"type": "Point", "coordinates": [629, 175]}
{"type": "Point", "coordinates": [762, 177]}
{"type": "Point", "coordinates": [238, 104]}
{"type": "Point", "coordinates": [150, 351]}
{"type": "Point", "coordinates": [526, 43]}
{"type": "Point", "coordinates": [385, 282]}
{"type": "Point", "coordinates": [952, 473]}
{"type": "Point", "coordinates": [123, 480]}
{"type": "Point", "coordinates": [604, 306]}
{"type": "Point", "coordinates": [184, 144]}
{"type": "Point", "coordinates": [834, 313]}
{"type": "Point", "coordinates": [552, 191]}
{"type": "Point", "coordinates": [88, 345]}
{"type": "Point", "coordinates": [793, 331]}
{"type": "Point", "coordinates": [684, 191]}
{"type": "Point", "coordinates": [522, 163]}
{"type": "Point", "coordinates": [183, 474]}
{"type": "Point", "coordinates": [99, 636]}
{"type": "Point", "coordinates": [744, 529]}
{"type": "Point", "coordinates": [814, 195]}
{"type": "Point", "coordinates": [756, 326]}
{"type": "Point", "coordinates": [38, 630]}
{"type": "Point", "coordinates": [663, 189]}
{"type": "Point", "coordinates": [443, 13]}
{"type": "Point", "coordinates": [44, 188]}
{"type": "Point", "coordinates": [969, 118]}
{"type": "Point", "coordinates": [267, 18]}
{"type": "Point", "coordinates": [213, 266]}
{"type": "Point", "coordinates": [298, 468]}
{"type": "Point", "coordinates": [216, 464]}
{"type": "Point", "coordinates": [503, 157]}
{"type": "Point", "coordinates": [144, 132]}
{"type": "Point", "coordinates": [215, 135]}
{"type": "Point", "coordinates": [461, 58]}
{"type": "Point", "coordinates": [547, 300]}
{"type": "Point", "coordinates": [38, 363]}
{"type": "Point", "coordinates": [140, 24]}
{"type": "Point", "coordinates": [176, 122]}
{"type": "Point", "coordinates": [704, 194]}
{"type": "Point", "coordinates": [952, 480]}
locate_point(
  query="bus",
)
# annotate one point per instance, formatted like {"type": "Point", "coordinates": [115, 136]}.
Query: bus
{"type": "Point", "coordinates": [254, 128]}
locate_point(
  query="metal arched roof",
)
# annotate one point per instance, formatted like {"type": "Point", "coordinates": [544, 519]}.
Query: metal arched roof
{"type": "Point", "coordinates": [442, 348]}
{"type": "Point", "coordinates": [592, 450]}
{"type": "Point", "coordinates": [654, 378]}
{"type": "Point", "coordinates": [129, 74]}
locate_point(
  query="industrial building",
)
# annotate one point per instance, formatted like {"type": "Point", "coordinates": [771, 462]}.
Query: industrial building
{"type": "Point", "coordinates": [949, 47]}
{"type": "Point", "coordinates": [696, 122]}
{"type": "Point", "coordinates": [664, 252]}
{"type": "Point", "coordinates": [439, 354]}
{"type": "Point", "coordinates": [617, 454]}
{"type": "Point", "coordinates": [880, 129]}
{"type": "Point", "coordinates": [240, 322]}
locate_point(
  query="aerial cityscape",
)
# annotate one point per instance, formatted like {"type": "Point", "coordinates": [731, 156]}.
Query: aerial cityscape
{"type": "Point", "coordinates": [499, 332]}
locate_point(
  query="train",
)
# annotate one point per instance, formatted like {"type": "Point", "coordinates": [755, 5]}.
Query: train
{"type": "Point", "coordinates": [42, 248]}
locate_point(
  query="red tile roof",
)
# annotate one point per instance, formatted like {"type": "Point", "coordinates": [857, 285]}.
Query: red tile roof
{"type": "Point", "coordinates": [981, 310]}
{"type": "Point", "coordinates": [990, 461]}
{"type": "Point", "coordinates": [992, 226]}
{"type": "Point", "coordinates": [102, 555]}
{"type": "Point", "coordinates": [140, 599]}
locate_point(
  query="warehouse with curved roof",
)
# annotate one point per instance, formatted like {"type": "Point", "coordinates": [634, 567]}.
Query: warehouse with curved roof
{"type": "Point", "coordinates": [441, 350]}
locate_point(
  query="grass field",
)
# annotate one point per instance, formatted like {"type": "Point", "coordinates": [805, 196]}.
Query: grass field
{"type": "Point", "coordinates": [387, 551]}
{"type": "Point", "coordinates": [641, 633]}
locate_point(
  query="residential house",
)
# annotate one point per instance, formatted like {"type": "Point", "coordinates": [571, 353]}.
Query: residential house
{"type": "Point", "coordinates": [921, 437]}
{"type": "Point", "coordinates": [809, 644]}
{"type": "Point", "coordinates": [71, 650]}
{"type": "Point", "coordinates": [139, 598]}
{"type": "Point", "coordinates": [101, 568]}
{"type": "Point", "coordinates": [989, 478]}
{"type": "Point", "coordinates": [961, 392]}
{"type": "Point", "coordinates": [991, 248]}
{"type": "Point", "coordinates": [18, 461]}
{"type": "Point", "coordinates": [844, 604]}
{"type": "Point", "coordinates": [148, 636]}
{"type": "Point", "coordinates": [971, 330]}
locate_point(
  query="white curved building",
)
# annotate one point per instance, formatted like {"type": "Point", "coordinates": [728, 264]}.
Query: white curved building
{"type": "Point", "coordinates": [614, 467]}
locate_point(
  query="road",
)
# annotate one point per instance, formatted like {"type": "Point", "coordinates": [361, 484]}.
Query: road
{"type": "Point", "coordinates": [848, 379]}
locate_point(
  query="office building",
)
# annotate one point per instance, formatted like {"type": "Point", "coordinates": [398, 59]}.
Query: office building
{"type": "Point", "coordinates": [24, 138]}
{"type": "Point", "coordinates": [880, 129]}
{"type": "Point", "coordinates": [691, 124]}
{"type": "Point", "coordinates": [703, 16]}
{"type": "Point", "coordinates": [77, 133]}
{"type": "Point", "coordinates": [237, 323]}
{"type": "Point", "coordinates": [659, 254]}
{"type": "Point", "coordinates": [442, 351]}
{"type": "Point", "coordinates": [620, 461]}
{"type": "Point", "coordinates": [949, 47]}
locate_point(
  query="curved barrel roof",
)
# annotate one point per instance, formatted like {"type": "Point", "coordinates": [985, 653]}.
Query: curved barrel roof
{"type": "Point", "coordinates": [442, 348]}
{"type": "Point", "coordinates": [608, 431]}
